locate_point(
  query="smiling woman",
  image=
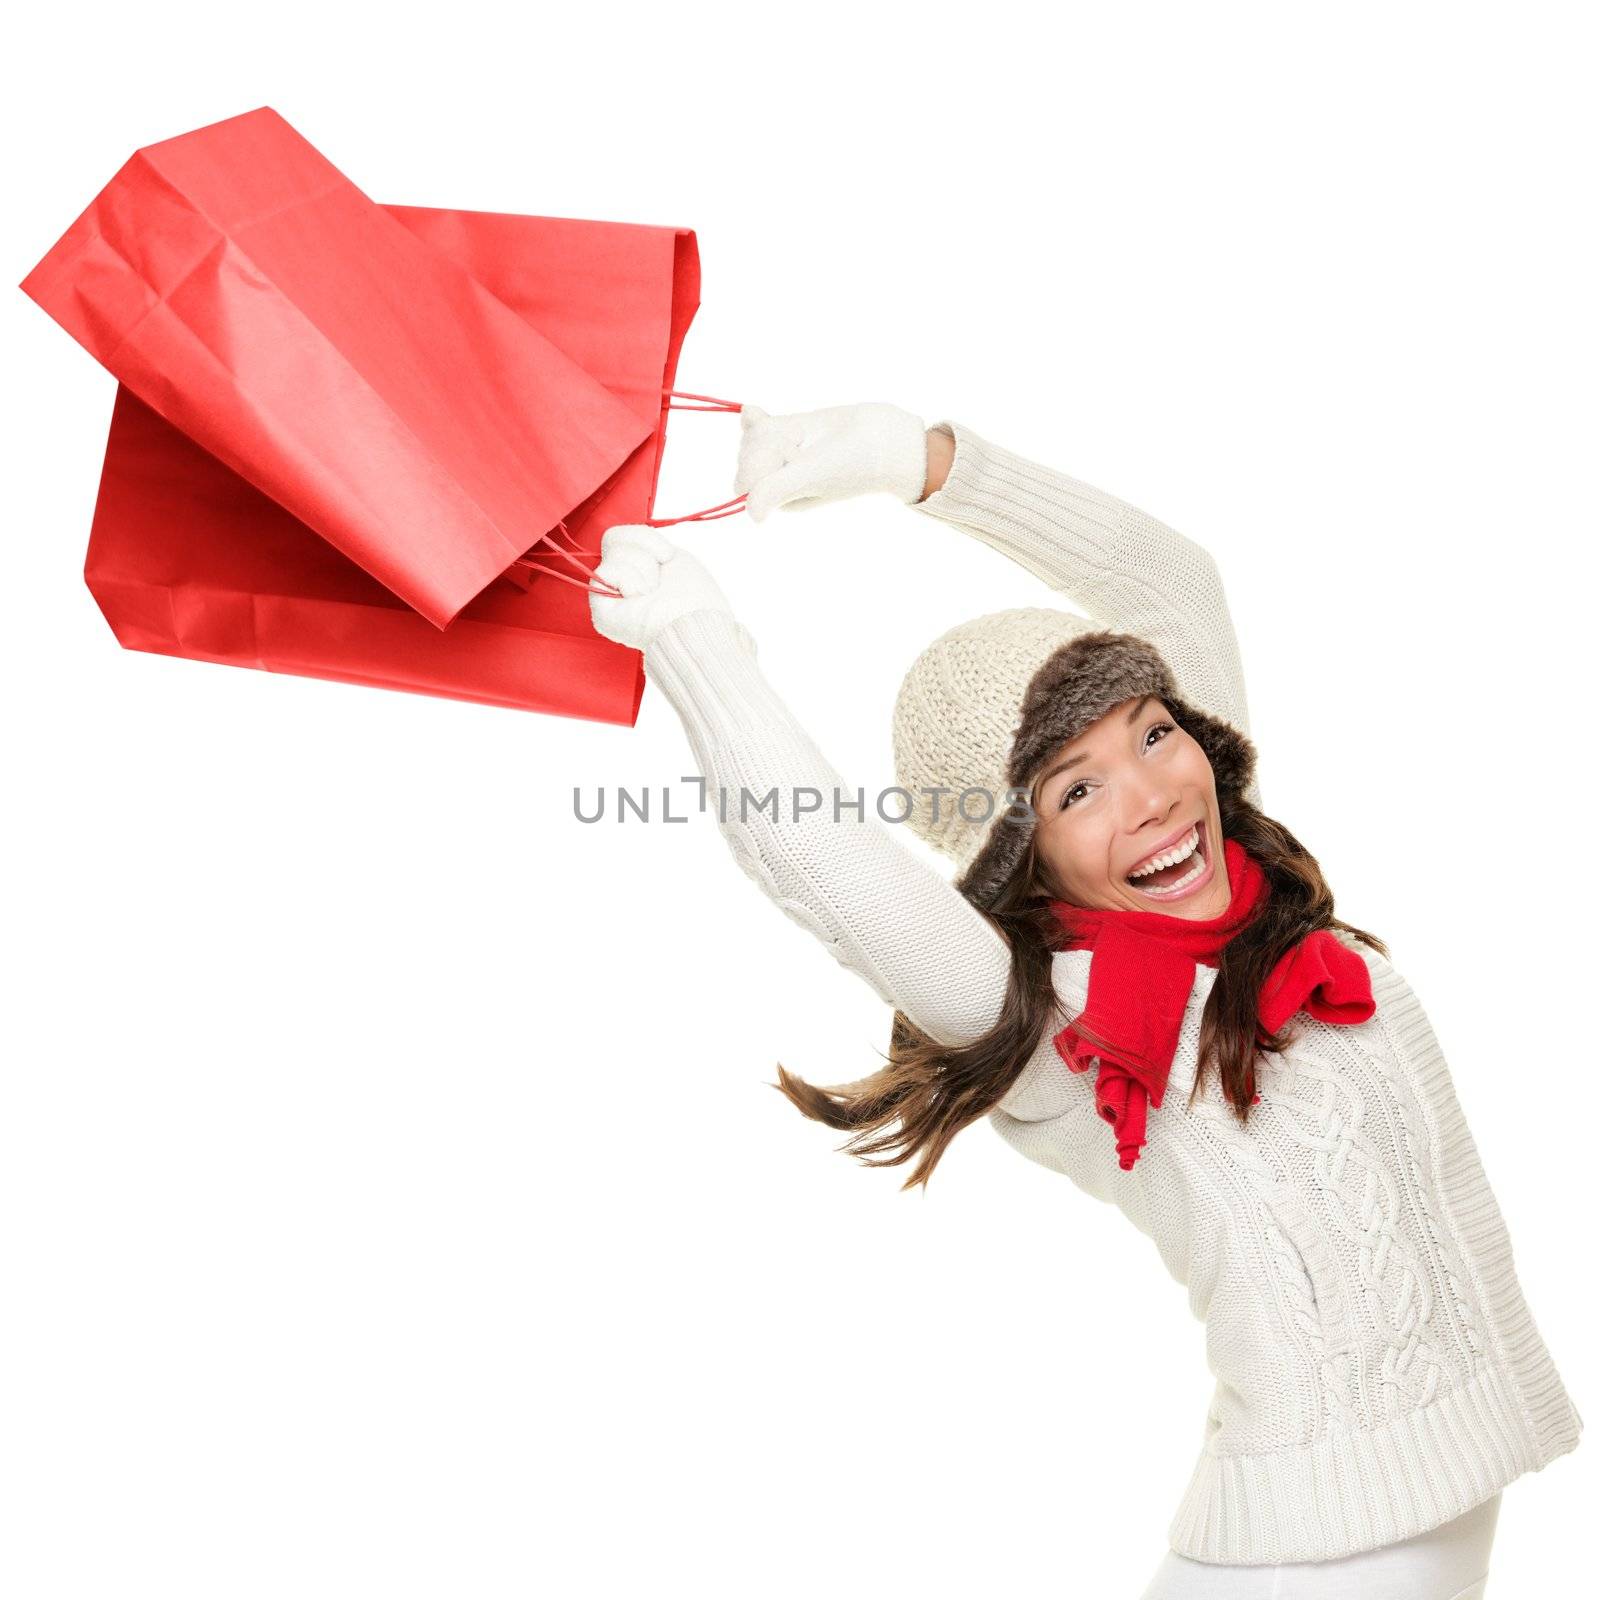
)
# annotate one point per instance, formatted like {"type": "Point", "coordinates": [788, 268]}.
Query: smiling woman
{"type": "Point", "coordinates": [1136, 794]}
{"type": "Point", "coordinates": [1145, 769]}
{"type": "Point", "coordinates": [1132, 910]}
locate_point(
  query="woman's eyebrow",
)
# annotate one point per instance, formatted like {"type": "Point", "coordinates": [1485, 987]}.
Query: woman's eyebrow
{"type": "Point", "coordinates": [1072, 761]}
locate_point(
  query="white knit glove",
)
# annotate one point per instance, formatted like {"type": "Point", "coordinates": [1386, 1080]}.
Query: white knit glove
{"type": "Point", "coordinates": [811, 457]}
{"type": "Point", "coordinates": [660, 582]}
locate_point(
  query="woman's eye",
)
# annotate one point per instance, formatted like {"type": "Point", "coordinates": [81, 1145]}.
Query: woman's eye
{"type": "Point", "coordinates": [1163, 728]}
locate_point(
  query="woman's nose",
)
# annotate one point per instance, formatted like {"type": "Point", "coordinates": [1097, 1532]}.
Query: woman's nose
{"type": "Point", "coordinates": [1150, 806]}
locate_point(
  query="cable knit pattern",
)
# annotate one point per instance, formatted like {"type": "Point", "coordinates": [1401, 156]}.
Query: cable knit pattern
{"type": "Point", "coordinates": [1378, 1370]}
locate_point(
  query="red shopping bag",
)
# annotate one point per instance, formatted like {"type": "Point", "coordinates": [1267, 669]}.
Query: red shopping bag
{"type": "Point", "coordinates": [247, 291]}
{"type": "Point", "coordinates": [234, 527]}
{"type": "Point", "coordinates": [186, 558]}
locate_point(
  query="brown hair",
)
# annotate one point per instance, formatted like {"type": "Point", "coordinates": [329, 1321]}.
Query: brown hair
{"type": "Point", "coordinates": [928, 1092]}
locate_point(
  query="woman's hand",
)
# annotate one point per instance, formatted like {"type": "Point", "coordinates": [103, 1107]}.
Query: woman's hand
{"type": "Point", "coordinates": [811, 457]}
{"type": "Point", "coordinates": [659, 582]}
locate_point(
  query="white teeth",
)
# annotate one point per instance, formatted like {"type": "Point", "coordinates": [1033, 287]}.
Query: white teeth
{"type": "Point", "coordinates": [1183, 883]}
{"type": "Point", "coordinates": [1180, 852]}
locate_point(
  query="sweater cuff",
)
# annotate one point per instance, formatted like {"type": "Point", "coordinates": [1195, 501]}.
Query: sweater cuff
{"type": "Point", "coordinates": [708, 631]}
{"type": "Point", "coordinates": [1064, 531]}
{"type": "Point", "coordinates": [705, 663]}
{"type": "Point", "coordinates": [963, 488]}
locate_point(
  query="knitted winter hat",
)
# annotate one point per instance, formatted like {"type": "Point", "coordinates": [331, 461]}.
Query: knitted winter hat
{"type": "Point", "coordinates": [986, 703]}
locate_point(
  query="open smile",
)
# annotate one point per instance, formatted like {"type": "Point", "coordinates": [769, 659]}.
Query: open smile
{"type": "Point", "coordinates": [1179, 870]}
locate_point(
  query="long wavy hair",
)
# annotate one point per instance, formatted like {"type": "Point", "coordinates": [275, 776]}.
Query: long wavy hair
{"type": "Point", "coordinates": [928, 1092]}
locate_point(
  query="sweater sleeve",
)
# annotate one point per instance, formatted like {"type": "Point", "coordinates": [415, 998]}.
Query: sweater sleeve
{"type": "Point", "coordinates": [818, 848]}
{"type": "Point", "coordinates": [1116, 564]}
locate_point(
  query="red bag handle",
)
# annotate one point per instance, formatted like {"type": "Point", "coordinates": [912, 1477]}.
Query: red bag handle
{"type": "Point", "coordinates": [728, 508]}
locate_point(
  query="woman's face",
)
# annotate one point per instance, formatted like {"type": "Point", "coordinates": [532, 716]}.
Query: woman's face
{"type": "Point", "coordinates": [1132, 788]}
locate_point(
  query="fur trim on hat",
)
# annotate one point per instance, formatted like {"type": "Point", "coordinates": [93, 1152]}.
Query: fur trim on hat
{"type": "Point", "coordinates": [1074, 687]}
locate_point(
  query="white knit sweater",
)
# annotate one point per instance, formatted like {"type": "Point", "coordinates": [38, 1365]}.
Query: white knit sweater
{"type": "Point", "coordinates": [1378, 1371]}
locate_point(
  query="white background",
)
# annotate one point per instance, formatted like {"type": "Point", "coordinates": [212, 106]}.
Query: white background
{"type": "Point", "coordinates": [393, 1200]}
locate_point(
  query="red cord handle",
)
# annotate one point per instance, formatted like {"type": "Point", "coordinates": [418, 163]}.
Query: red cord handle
{"type": "Point", "coordinates": [728, 508]}
{"type": "Point", "coordinates": [608, 589]}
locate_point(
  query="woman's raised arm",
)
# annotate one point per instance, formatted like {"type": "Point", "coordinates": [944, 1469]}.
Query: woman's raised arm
{"type": "Point", "coordinates": [1118, 565]}
{"type": "Point", "coordinates": [814, 845]}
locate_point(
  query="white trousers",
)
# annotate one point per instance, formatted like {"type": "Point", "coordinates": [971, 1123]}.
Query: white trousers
{"type": "Point", "coordinates": [1450, 1562]}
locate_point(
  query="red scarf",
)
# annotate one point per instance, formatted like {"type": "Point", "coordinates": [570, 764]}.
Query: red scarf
{"type": "Point", "coordinates": [1141, 975]}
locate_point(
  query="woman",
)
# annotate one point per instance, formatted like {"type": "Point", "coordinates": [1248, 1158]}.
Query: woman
{"type": "Point", "coordinates": [1137, 977]}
